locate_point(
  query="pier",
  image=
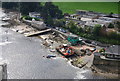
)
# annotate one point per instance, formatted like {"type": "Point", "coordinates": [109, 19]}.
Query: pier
{"type": "Point", "coordinates": [38, 32]}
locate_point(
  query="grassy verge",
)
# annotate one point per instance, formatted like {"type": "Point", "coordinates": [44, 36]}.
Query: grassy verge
{"type": "Point", "coordinates": [104, 7]}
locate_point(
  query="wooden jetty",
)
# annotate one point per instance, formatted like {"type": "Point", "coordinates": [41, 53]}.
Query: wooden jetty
{"type": "Point", "coordinates": [37, 33]}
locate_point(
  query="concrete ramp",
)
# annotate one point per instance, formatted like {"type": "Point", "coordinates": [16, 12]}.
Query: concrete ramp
{"type": "Point", "coordinates": [37, 33]}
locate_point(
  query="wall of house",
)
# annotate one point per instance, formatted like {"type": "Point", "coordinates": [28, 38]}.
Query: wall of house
{"type": "Point", "coordinates": [37, 25]}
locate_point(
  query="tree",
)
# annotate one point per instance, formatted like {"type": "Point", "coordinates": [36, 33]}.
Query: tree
{"type": "Point", "coordinates": [49, 21]}
{"type": "Point", "coordinates": [80, 29]}
{"type": "Point", "coordinates": [59, 22]}
{"type": "Point", "coordinates": [26, 7]}
{"type": "Point", "coordinates": [110, 14]}
{"type": "Point", "coordinates": [10, 5]}
{"type": "Point", "coordinates": [72, 27]}
{"type": "Point", "coordinates": [87, 29]}
{"type": "Point", "coordinates": [113, 35]}
{"type": "Point", "coordinates": [110, 25]}
{"type": "Point", "coordinates": [51, 11]}
{"type": "Point", "coordinates": [59, 14]}
{"type": "Point", "coordinates": [118, 25]}
{"type": "Point", "coordinates": [96, 30]}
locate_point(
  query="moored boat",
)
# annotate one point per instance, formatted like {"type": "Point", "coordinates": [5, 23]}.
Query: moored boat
{"type": "Point", "coordinates": [65, 50]}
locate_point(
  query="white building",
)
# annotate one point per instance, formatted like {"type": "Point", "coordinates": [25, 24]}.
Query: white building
{"type": "Point", "coordinates": [34, 14]}
{"type": "Point", "coordinates": [108, 19]}
{"type": "Point", "coordinates": [38, 24]}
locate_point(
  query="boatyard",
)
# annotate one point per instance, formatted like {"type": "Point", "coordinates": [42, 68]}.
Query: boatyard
{"type": "Point", "coordinates": [54, 44]}
{"type": "Point", "coordinates": [52, 39]}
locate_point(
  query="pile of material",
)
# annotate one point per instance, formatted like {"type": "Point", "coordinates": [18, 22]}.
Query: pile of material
{"type": "Point", "coordinates": [65, 50]}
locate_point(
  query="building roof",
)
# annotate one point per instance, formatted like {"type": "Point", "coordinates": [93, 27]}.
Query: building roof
{"type": "Point", "coordinates": [86, 19]}
{"type": "Point", "coordinates": [108, 18]}
{"type": "Point", "coordinates": [34, 13]}
{"type": "Point", "coordinates": [102, 21]}
{"type": "Point", "coordinates": [110, 30]}
{"type": "Point", "coordinates": [82, 10]}
{"type": "Point", "coordinates": [114, 49]}
{"type": "Point", "coordinates": [90, 23]}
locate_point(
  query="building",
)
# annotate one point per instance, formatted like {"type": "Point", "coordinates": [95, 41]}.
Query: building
{"type": "Point", "coordinates": [106, 64]}
{"type": "Point", "coordinates": [82, 12]}
{"type": "Point", "coordinates": [36, 24]}
{"type": "Point", "coordinates": [90, 13]}
{"type": "Point", "coordinates": [109, 19]}
{"type": "Point", "coordinates": [74, 16]}
{"type": "Point", "coordinates": [108, 61]}
{"type": "Point", "coordinates": [92, 23]}
{"type": "Point", "coordinates": [86, 19]}
{"type": "Point", "coordinates": [35, 14]}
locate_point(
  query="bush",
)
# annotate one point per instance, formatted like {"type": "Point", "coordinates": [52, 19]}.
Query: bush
{"type": "Point", "coordinates": [26, 17]}
{"type": "Point", "coordinates": [37, 19]}
{"type": "Point", "coordinates": [59, 22]}
{"type": "Point", "coordinates": [110, 25]}
{"type": "Point", "coordinates": [113, 35]}
{"type": "Point", "coordinates": [96, 30]}
{"type": "Point", "coordinates": [29, 18]}
{"type": "Point", "coordinates": [109, 41]}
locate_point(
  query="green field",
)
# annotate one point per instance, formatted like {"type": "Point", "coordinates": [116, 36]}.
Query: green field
{"type": "Point", "coordinates": [104, 7]}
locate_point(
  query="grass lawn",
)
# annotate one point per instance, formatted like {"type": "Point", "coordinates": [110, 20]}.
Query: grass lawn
{"type": "Point", "coordinates": [104, 7]}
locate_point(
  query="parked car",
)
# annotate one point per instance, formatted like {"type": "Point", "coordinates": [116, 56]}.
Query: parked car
{"type": "Point", "coordinates": [62, 30]}
{"type": "Point", "coordinates": [57, 28]}
{"type": "Point", "coordinates": [88, 41]}
{"type": "Point", "coordinates": [94, 43]}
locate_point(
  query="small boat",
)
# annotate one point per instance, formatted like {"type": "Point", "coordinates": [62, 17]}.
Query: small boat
{"type": "Point", "coordinates": [50, 56]}
{"type": "Point", "coordinates": [65, 50]}
{"type": "Point", "coordinates": [6, 19]}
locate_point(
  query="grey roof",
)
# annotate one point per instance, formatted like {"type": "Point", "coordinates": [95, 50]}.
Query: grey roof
{"type": "Point", "coordinates": [90, 23]}
{"type": "Point", "coordinates": [114, 49]}
{"type": "Point", "coordinates": [102, 21]}
{"type": "Point", "coordinates": [108, 18]}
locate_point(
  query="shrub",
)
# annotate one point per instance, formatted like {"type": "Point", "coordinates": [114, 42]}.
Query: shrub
{"type": "Point", "coordinates": [59, 23]}
{"type": "Point", "coordinates": [96, 30]}
{"type": "Point", "coordinates": [113, 35]}
{"type": "Point", "coordinates": [110, 25]}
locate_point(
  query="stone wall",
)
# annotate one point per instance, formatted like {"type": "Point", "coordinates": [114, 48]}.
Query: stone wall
{"type": "Point", "coordinates": [107, 65]}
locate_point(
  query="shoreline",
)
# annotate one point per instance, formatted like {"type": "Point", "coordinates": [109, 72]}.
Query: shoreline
{"type": "Point", "coordinates": [107, 74]}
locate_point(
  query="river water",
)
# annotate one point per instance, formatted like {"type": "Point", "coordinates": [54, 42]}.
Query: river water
{"type": "Point", "coordinates": [24, 58]}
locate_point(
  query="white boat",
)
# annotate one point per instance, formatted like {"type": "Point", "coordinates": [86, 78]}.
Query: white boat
{"type": "Point", "coordinates": [6, 19]}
